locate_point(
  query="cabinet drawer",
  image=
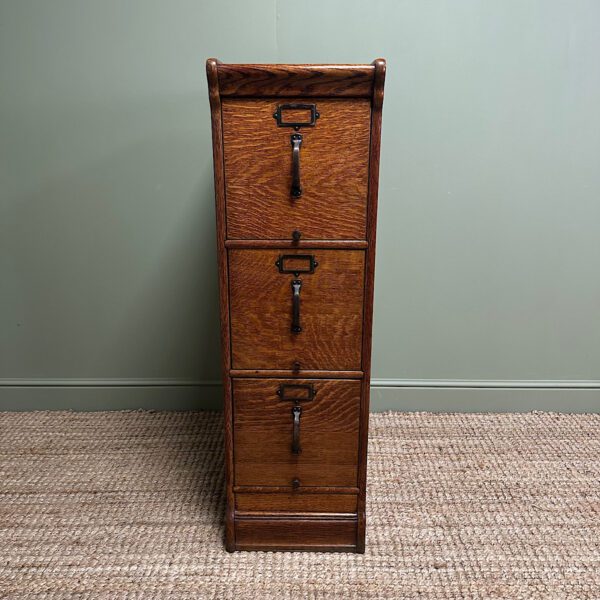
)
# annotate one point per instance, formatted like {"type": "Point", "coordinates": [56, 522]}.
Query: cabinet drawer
{"type": "Point", "coordinates": [294, 502]}
{"type": "Point", "coordinates": [333, 159]}
{"type": "Point", "coordinates": [327, 432]}
{"type": "Point", "coordinates": [263, 290]}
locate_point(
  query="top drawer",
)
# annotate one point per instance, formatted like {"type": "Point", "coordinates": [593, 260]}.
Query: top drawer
{"type": "Point", "coordinates": [331, 166]}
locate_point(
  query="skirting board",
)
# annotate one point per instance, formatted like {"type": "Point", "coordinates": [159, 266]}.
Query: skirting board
{"type": "Point", "coordinates": [386, 394]}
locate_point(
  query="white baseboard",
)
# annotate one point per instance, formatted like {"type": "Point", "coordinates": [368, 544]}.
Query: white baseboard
{"type": "Point", "coordinates": [432, 395]}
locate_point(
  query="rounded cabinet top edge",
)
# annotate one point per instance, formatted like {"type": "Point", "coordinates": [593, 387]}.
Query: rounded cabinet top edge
{"type": "Point", "coordinates": [271, 79]}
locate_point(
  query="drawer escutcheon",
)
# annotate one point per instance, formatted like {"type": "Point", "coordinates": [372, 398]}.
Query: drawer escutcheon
{"type": "Point", "coordinates": [309, 388]}
{"type": "Point", "coordinates": [278, 115]}
{"type": "Point", "coordinates": [295, 268]}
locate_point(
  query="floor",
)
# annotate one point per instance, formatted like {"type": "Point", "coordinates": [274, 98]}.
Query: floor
{"type": "Point", "coordinates": [129, 505]}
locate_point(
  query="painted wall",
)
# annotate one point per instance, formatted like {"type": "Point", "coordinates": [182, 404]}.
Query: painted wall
{"type": "Point", "coordinates": [488, 293]}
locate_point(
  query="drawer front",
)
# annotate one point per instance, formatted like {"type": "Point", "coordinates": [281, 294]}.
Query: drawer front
{"type": "Point", "coordinates": [326, 432]}
{"type": "Point", "coordinates": [264, 291]}
{"type": "Point", "coordinates": [293, 502]}
{"type": "Point", "coordinates": [333, 159]}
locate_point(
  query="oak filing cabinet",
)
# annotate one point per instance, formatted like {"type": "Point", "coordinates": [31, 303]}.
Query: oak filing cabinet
{"type": "Point", "coordinates": [296, 162]}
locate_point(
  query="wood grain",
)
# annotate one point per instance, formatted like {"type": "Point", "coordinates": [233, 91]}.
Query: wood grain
{"type": "Point", "coordinates": [334, 159]}
{"type": "Point", "coordinates": [292, 80]}
{"type": "Point", "coordinates": [328, 434]}
{"type": "Point", "coordinates": [331, 312]}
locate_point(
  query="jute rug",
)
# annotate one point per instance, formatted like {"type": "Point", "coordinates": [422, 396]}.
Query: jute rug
{"type": "Point", "coordinates": [129, 505]}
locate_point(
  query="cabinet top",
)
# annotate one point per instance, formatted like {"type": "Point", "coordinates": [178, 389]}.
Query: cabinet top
{"type": "Point", "coordinates": [295, 80]}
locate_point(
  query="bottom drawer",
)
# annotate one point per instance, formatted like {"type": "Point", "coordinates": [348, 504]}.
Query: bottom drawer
{"type": "Point", "coordinates": [278, 502]}
{"type": "Point", "coordinates": [296, 433]}
{"type": "Point", "coordinates": [332, 534]}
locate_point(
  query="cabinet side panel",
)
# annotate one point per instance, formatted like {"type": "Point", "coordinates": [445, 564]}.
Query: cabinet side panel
{"type": "Point", "coordinates": [212, 66]}
{"type": "Point", "coordinates": [376, 110]}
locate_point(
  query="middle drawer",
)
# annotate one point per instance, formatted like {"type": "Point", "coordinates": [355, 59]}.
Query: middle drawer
{"type": "Point", "coordinates": [296, 306]}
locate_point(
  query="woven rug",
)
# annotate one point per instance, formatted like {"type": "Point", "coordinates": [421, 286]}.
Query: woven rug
{"type": "Point", "coordinates": [129, 505]}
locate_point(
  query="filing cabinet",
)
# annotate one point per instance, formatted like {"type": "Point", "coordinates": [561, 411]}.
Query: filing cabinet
{"type": "Point", "coordinates": [296, 163]}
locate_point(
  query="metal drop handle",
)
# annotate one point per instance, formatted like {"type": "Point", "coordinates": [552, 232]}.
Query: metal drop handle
{"type": "Point", "coordinates": [296, 287]}
{"type": "Point", "coordinates": [296, 140]}
{"type": "Point", "coordinates": [296, 413]}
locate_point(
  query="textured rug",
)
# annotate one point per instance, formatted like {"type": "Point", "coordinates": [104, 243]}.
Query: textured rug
{"type": "Point", "coordinates": [129, 505]}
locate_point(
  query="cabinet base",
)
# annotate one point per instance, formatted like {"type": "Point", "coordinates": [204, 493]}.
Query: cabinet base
{"type": "Point", "coordinates": [297, 533]}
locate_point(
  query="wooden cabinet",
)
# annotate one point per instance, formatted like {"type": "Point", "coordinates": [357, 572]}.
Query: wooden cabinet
{"type": "Point", "coordinates": [296, 161]}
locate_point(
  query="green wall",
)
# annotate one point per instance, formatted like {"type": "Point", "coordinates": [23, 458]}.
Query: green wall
{"type": "Point", "coordinates": [488, 287]}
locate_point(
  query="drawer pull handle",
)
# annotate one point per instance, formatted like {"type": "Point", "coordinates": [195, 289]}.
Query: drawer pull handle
{"type": "Point", "coordinates": [296, 139]}
{"type": "Point", "coordinates": [296, 392]}
{"type": "Point", "coordinates": [296, 287]}
{"type": "Point", "coordinates": [296, 413]}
